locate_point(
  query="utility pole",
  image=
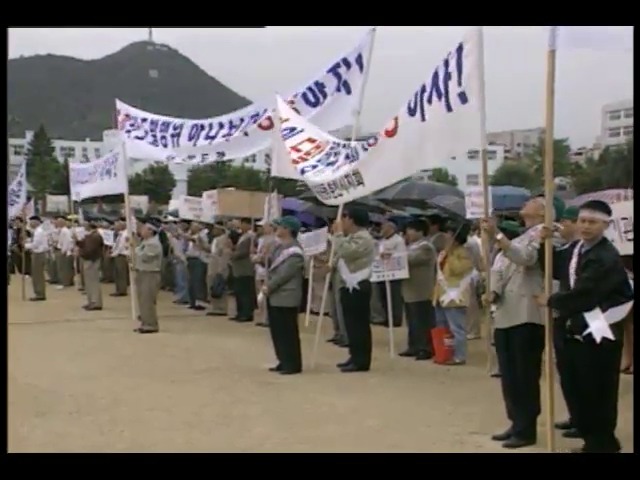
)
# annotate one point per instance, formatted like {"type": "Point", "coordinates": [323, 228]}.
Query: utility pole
{"type": "Point", "coordinates": [150, 34]}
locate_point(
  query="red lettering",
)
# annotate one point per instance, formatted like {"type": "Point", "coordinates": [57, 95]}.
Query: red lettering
{"type": "Point", "coordinates": [266, 123]}
{"type": "Point", "coordinates": [392, 129]}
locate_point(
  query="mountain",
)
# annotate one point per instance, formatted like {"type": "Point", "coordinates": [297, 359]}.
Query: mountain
{"type": "Point", "coordinates": [75, 99]}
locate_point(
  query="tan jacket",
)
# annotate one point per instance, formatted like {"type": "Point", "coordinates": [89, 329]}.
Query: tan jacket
{"type": "Point", "coordinates": [421, 257]}
{"type": "Point", "coordinates": [457, 268]}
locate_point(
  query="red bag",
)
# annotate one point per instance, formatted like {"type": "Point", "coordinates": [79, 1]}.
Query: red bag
{"type": "Point", "coordinates": [442, 344]}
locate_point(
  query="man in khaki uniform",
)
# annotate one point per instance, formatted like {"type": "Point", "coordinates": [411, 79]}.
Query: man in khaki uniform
{"type": "Point", "coordinates": [417, 291]}
{"type": "Point", "coordinates": [38, 247]}
{"type": "Point", "coordinates": [120, 255]}
{"type": "Point", "coordinates": [91, 250]}
{"type": "Point", "coordinates": [148, 265]}
{"type": "Point", "coordinates": [218, 270]}
{"type": "Point", "coordinates": [354, 255]}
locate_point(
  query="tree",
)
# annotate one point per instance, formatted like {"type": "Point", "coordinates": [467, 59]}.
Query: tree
{"type": "Point", "coordinates": [612, 169]}
{"type": "Point", "coordinates": [60, 182]}
{"type": "Point", "coordinates": [442, 175]}
{"type": "Point", "coordinates": [222, 174]}
{"type": "Point", "coordinates": [516, 173]}
{"type": "Point", "coordinates": [561, 161]}
{"type": "Point", "coordinates": [42, 165]}
{"type": "Point", "coordinates": [156, 181]}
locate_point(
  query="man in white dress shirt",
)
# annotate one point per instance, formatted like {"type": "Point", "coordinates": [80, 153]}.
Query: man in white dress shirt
{"type": "Point", "coordinates": [38, 246]}
{"type": "Point", "coordinates": [64, 253]}
{"type": "Point", "coordinates": [391, 244]}
{"type": "Point", "coordinates": [120, 255]}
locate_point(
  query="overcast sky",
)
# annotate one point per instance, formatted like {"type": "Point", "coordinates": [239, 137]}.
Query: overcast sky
{"type": "Point", "coordinates": [256, 63]}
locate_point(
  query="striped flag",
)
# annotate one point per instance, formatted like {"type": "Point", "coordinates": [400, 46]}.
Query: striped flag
{"type": "Point", "coordinates": [591, 38]}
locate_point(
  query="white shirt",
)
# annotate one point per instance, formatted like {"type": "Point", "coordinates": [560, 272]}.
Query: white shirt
{"type": "Point", "coordinates": [40, 241]}
{"type": "Point", "coordinates": [121, 246]}
{"type": "Point", "coordinates": [393, 244]}
{"type": "Point", "coordinates": [65, 242]}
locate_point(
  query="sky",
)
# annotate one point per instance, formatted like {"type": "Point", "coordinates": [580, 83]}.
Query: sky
{"type": "Point", "coordinates": [258, 62]}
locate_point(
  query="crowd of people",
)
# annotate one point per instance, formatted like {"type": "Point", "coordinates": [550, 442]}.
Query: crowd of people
{"type": "Point", "coordinates": [264, 267]}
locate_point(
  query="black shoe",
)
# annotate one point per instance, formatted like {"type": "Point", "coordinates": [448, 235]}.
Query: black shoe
{"type": "Point", "coordinates": [289, 372]}
{"type": "Point", "coordinates": [496, 375]}
{"type": "Point", "coordinates": [407, 353]}
{"type": "Point", "coordinates": [344, 364]}
{"type": "Point", "coordinates": [334, 339]}
{"type": "Point", "coordinates": [571, 433]}
{"type": "Point", "coordinates": [180, 302]}
{"type": "Point", "coordinates": [198, 308]}
{"type": "Point", "coordinates": [502, 437]}
{"type": "Point", "coordinates": [277, 368]}
{"type": "Point", "coordinates": [117, 294]}
{"type": "Point", "coordinates": [233, 319]}
{"type": "Point", "coordinates": [93, 309]}
{"type": "Point", "coordinates": [353, 368]}
{"type": "Point", "coordinates": [37, 299]}
{"type": "Point", "coordinates": [515, 442]}
{"type": "Point", "coordinates": [424, 356]}
{"type": "Point", "coordinates": [244, 320]}
{"type": "Point", "coordinates": [342, 344]}
{"type": "Point", "coordinates": [215, 314]}
{"type": "Point", "coordinates": [145, 330]}
{"type": "Point", "coordinates": [564, 425]}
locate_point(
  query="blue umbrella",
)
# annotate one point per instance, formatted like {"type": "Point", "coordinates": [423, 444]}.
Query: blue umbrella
{"type": "Point", "coordinates": [509, 198]}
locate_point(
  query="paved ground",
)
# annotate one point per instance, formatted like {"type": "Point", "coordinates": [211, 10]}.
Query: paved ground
{"type": "Point", "coordinates": [83, 382]}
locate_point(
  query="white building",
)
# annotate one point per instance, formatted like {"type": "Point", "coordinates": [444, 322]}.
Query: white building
{"type": "Point", "coordinates": [468, 168]}
{"type": "Point", "coordinates": [516, 143]}
{"type": "Point", "coordinates": [616, 123]}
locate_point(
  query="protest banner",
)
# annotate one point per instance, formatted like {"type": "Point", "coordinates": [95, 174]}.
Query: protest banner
{"type": "Point", "coordinates": [57, 203]}
{"type": "Point", "coordinates": [210, 205]}
{"type": "Point", "coordinates": [330, 98]}
{"type": "Point", "coordinates": [474, 202]}
{"type": "Point", "coordinates": [17, 192]}
{"type": "Point", "coordinates": [104, 176]}
{"type": "Point", "coordinates": [620, 230]}
{"type": "Point", "coordinates": [392, 268]}
{"type": "Point", "coordinates": [440, 120]}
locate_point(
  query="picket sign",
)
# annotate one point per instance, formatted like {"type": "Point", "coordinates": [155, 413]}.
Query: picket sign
{"type": "Point", "coordinates": [620, 230]}
{"type": "Point", "coordinates": [17, 192]}
{"type": "Point", "coordinates": [107, 237]}
{"type": "Point", "coordinates": [210, 208]}
{"type": "Point", "coordinates": [104, 176]}
{"type": "Point", "coordinates": [474, 202]}
{"type": "Point", "coordinates": [441, 119]}
{"type": "Point", "coordinates": [396, 267]}
{"type": "Point", "coordinates": [315, 242]}
{"type": "Point", "coordinates": [329, 99]}
{"type": "Point", "coordinates": [190, 208]}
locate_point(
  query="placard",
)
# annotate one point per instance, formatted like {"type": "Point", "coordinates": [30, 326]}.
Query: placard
{"type": "Point", "coordinates": [396, 267]}
{"type": "Point", "coordinates": [58, 203]}
{"type": "Point", "coordinates": [314, 243]}
{"type": "Point", "coordinates": [107, 237]}
{"type": "Point", "coordinates": [190, 208]}
{"type": "Point", "coordinates": [210, 205]}
{"type": "Point", "coordinates": [620, 230]}
{"type": "Point", "coordinates": [474, 202]}
{"type": "Point", "coordinates": [139, 202]}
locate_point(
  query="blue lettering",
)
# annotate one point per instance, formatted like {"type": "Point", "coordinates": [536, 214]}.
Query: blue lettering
{"type": "Point", "coordinates": [315, 95]}
{"type": "Point", "coordinates": [165, 126]}
{"type": "Point", "coordinates": [462, 95]}
{"type": "Point", "coordinates": [142, 134]}
{"type": "Point", "coordinates": [288, 133]}
{"type": "Point", "coordinates": [176, 133]}
{"type": "Point", "coordinates": [342, 83]}
{"type": "Point", "coordinates": [153, 125]}
{"type": "Point", "coordinates": [212, 135]}
{"type": "Point", "coordinates": [221, 155]}
{"type": "Point", "coordinates": [416, 104]}
{"type": "Point", "coordinates": [164, 141]}
{"type": "Point", "coordinates": [360, 62]}
{"type": "Point", "coordinates": [440, 86]}
{"type": "Point", "coordinates": [234, 128]}
{"type": "Point", "coordinates": [153, 139]}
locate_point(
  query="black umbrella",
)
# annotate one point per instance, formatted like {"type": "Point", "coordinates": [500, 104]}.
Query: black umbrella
{"type": "Point", "coordinates": [449, 204]}
{"type": "Point", "coordinates": [415, 193]}
{"type": "Point", "coordinates": [371, 204]}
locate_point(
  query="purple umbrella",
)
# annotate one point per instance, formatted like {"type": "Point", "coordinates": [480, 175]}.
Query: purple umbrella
{"type": "Point", "coordinates": [298, 208]}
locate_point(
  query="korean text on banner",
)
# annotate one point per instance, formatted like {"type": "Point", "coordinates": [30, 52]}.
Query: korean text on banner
{"type": "Point", "coordinates": [314, 243]}
{"type": "Point", "coordinates": [329, 99]}
{"type": "Point", "coordinates": [272, 207]}
{"type": "Point", "coordinates": [620, 230]}
{"type": "Point", "coordinates": [440, 120]}
{"type": "Point", "coordinates": [190, 208]}
{"type": "Point", "coordinates": [17, 192]}
{"type": "Point", "coordinates": [395, 267]}
{"type": "Point", "coordinates": [57, 203]}
{"type": "Point", "coordinates": [210, 208]}
{"type": "Point", "coordinates": [104, 176]}
{"type": "Point", "coordinates": [474, 202]}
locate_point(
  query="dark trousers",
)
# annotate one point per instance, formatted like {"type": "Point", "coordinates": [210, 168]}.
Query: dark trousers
{"type": "Point", "coordinates": [356, 308]}
{"type": "Point", "coordinates": [560, 340]}
{"type": "Point", "coordinates": [283, 326]}
{"type": "Point", "coordinates": [395, 287]}
{"type": "Point", "coordinates": [594, 372]}
{"type": "Point", "coordinates": [420, 320]}
{"type": "Point", "coordinates": [244, 289]}
{"type": "Point", "coordinates": [16, 257]}
{"type": "Point", "coordinates": [197, 270]}
{"type": "Point", "coordinates": [303, 301]}
{"type": "Point", "coordinates": [519, 350]}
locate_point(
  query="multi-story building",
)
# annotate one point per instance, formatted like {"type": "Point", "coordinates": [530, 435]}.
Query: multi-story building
{"type": "Point", "coordinates": [517, 143]}
{"type": "Point", "coordinates": [468, 168]}
{"type": "Point", "coordinates": [616, 123]}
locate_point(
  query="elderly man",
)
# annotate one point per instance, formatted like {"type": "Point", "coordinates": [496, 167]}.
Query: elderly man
{"type": "Point", "coordinates": [218, 271]}
{"type": "Point", "coordinates": [354, 256]}
{"type": "Point", "coordinates": [266, 244]}
{"type": "Point", "coordinates": [38, 246]}
{"type": "Point", "coordinates": [120, 254]}
{"type": "Point", "coordinates": [91, 248]}
{"type": "Point", "coordinates": [283, 291]}
{"type": "Point", "coordinates": [391, 244]}
{"type": "Point", "coordinates": [197, 259]}
{"type": "Point", "coordinates": [516, 278]}
{"type": "Point", "coordinates": [148, 266]}
{"type": "Point", "coordinates": [244, 283]}
{"type": "Point", "coordinates": [64, 253]}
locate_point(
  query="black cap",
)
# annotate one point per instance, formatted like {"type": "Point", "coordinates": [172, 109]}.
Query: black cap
{"type": "Point", "coordinates": [36, 218]}
{"type": "Point", "coordinates": [419, 225]}
{"type": "Point", "coordinates": [359, 216]}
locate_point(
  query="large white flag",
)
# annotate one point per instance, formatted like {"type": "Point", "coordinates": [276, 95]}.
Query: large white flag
{"type": "Point", "coordinates": [104, 176]}
{"type": "Point", "coordinates": [440, 120]}
{"type": "Point", "coordinates": [591, 38]}
{"type": "Point", "coordinates": [17, 192]}
{"type": "Point", "coordinates": [330, 99]}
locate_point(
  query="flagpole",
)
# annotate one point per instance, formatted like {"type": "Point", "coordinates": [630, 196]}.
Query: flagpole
{"type": "Point", "coordinates": [130, 233]}
{"type": "Point", "coordinates": [354, 135]}
{"type": "Point", "coordinates": [548, 245]}
{"type": "Point", "coordinates": [23, 253]}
